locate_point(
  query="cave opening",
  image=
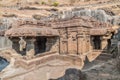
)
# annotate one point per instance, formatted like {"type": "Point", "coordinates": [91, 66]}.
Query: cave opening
{"type": "Point", "coordinates": [97, 42]}
{"type": "Point", "coordinates": [40, 45]}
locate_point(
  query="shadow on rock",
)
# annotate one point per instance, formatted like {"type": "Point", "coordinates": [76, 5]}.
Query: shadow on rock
{"type": "Point", "coordinates": [72, 74]}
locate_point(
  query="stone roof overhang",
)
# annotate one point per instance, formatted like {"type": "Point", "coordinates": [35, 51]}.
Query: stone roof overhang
{"type": "Point", "coordinates": [101, 28]}
{"type": "Point", "coordinates": [100, 31]}
{"type": "Point", "coordinates": [31, 32]}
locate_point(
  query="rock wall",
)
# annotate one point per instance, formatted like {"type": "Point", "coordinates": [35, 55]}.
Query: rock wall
{"type": "Point", "coordinates": [5, 24]}
{"type": "Point", "coordinates": [98, 14]}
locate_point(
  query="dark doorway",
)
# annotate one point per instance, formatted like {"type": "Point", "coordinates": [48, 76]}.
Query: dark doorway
{"type": "Point", "coordinates": [109, 44]}
{"type": "Point", "coordinates": [40, 45]}
{"type": "Point", "coordinates": [97, 42]}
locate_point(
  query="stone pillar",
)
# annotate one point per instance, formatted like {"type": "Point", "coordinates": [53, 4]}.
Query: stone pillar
{"type": "Point", "coordinates": [15, 44]}
{"type": "Point", "coordinates": [30, 48]}
{"type": "Point", "coordinates": [83, 41]}
{"type": "Point", "coordinates": [52, 44]}
{"type": "Point", "coordinates": [80, 44]}
{"type": "Point", "coordinates": [55, 46]}
{"type": "Point", "coordinates": [63, 45]}
{"type": "Point", "coordinates": [91, 44]}
{"type": "Point", "coordinates": [49, 44]}
{"type": "Point", "coordinates": [80, 39]}
{"type": "Point", "coordinates": [72, 41]}
{"type": "Point", "coordinates": [84, 45]}
{"type": "Point", "coordinates": [104, 44]}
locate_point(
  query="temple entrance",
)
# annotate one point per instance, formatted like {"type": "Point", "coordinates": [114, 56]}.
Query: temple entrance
{"type": "Point", "coordinates": [40, 45]}
{"type": "Point", "coordinates": [96, 42]}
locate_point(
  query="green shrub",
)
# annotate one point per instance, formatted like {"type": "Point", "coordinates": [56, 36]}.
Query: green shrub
{"type": "Point", "coordinates": [55, 4]}
{"type": "Point", "coordinates": [43, 3]}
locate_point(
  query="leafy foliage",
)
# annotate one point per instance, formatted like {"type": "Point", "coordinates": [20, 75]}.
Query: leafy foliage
{"type": "Point", "coordinates": [43, 3]}
{"type": "Point", "coordinates": [55, 4]}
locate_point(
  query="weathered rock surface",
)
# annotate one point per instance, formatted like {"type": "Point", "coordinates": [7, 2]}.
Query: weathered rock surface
{"type": "Point", "coordinates": [100, 15]}
{"type": "Point", "coordinates": [72, 74]}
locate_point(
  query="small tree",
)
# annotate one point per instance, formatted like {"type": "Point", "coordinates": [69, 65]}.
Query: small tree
{"type": "Point", "coordinates": [55, 4]}
{"type": "Point", "coordinates": [43, 3]}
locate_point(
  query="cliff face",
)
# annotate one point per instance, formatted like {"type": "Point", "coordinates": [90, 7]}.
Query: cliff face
{"type": "Point", "coordinates": [4, 42]}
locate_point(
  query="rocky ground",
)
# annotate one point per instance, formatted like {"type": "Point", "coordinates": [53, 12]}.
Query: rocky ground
{"type": "Point", "coordinates": [102, 70]}
{"type": "Point", "coordinates": [14, 8]}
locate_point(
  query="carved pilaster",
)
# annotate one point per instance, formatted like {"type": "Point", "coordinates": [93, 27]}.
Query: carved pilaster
{"type": "Point", "coordinates": [63, 41]}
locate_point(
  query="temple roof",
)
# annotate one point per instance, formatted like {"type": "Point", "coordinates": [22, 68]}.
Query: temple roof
{"type": "Point", "coordinates": [101, 29]}
{"type": "Point", "coordinates": [48, 28]}
{"type": "Point", "coordinates": [73, 22]}
{"type": "Point", "coordinates": [30, 32]}
{"type": "Point", "coordinates": [82, 21]}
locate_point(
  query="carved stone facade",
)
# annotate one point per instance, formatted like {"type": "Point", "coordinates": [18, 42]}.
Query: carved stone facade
{"type": "Point", "coordinates": [74, 40]}
{"type": "Point", "coordinates": [77, 36]}
{"type": "Point", "coordinates": [66, 40]}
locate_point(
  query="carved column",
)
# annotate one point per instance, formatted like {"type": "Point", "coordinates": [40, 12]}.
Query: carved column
{"type": "Point", "coordinates": [72, 41]}
{"type": "Point", "coordinates": [30, 48]}
{"type": "Point", "coordinates": [52, 44]}
{"type": "Point", "coordinates": [86, 41]}
{"type": "Point", "coordinates": [63, 41]}
{"type": "Point", "coordinates": [80, 38]}
{"type": "Point", "coordinates": [80, 44]}
{"type": "Point", "coordinates": [103, 43]}
{"type": "Point", "coordinates": [91, 44]}
{"type": "Point", "coordinates": [15, 44]}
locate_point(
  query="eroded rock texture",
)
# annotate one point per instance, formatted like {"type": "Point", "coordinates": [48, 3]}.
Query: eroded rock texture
{"type": "Point", "coordinates": [72, 74]}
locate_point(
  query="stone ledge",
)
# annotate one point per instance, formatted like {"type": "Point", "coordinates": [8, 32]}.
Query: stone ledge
{"type": "Point", "coordinates": [28, 64]}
